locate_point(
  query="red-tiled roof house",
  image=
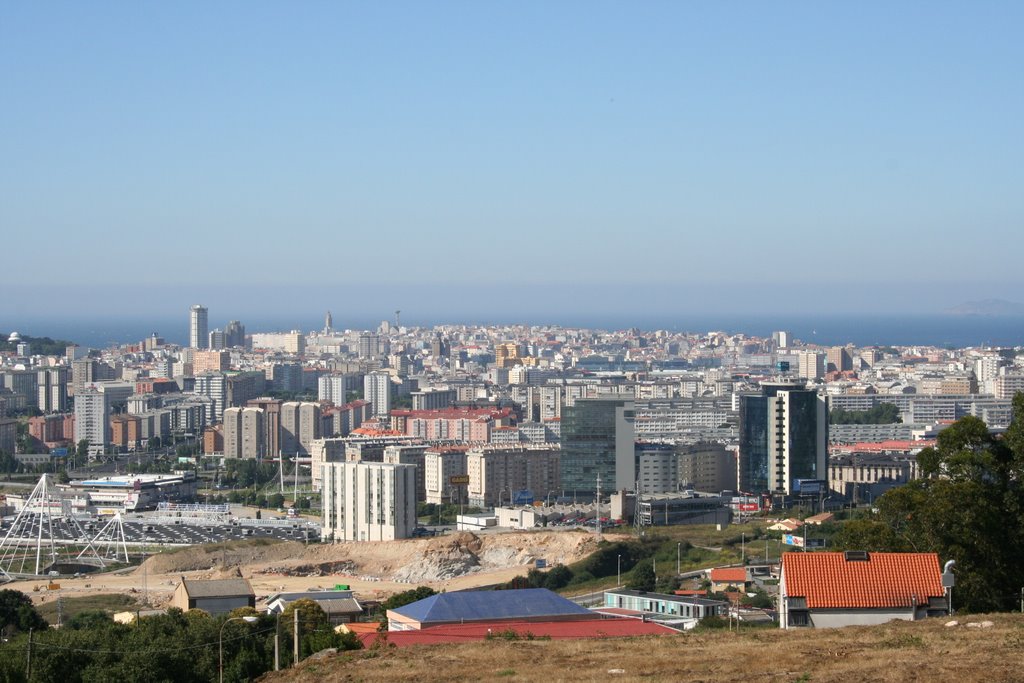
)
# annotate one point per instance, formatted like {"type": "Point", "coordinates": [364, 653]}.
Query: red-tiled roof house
{"type": "Point", "coordinates": [827, 590]}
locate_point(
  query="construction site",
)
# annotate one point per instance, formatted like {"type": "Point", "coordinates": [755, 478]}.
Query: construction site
{"type": "Point", "coordinates": [51, 552]}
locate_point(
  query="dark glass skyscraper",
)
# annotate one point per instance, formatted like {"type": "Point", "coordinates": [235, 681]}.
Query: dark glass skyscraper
{"type": "Point", "coordinates": [783, 437]}
{"type": "Point", "coordinates": [598, 438]}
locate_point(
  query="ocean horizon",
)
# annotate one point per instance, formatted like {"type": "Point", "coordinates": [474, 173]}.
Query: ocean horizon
{"type": "Point", "coordinates": [943, 330]}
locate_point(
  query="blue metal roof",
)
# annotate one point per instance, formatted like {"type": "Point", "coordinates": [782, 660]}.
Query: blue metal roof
{"type": "Point", "coordinates": [488, 605]}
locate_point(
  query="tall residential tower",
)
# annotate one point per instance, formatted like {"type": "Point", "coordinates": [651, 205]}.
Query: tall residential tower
{"type": "Point", "coordinates": [198, 336]}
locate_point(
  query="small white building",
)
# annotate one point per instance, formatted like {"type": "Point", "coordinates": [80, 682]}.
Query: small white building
{"type": "Point", "coordinates": [339, 604]}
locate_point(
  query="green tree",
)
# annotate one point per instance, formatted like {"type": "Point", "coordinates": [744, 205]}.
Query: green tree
{"type": "Point", "coordinates": [407, 597]}
{"type": "Point", "coordinates": [966, 507]}
{"type": "Point", "coordinates": [643, 578]}
{"type": "Point", "coordinates": [17, 613]}
{"type": "Point", "coordinates": [557, 577]}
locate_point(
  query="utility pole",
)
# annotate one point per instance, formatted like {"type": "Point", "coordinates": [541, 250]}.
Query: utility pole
{"type": "Point", "coordinates": [277, 643]}
{"type": "Point", "coordinates": [597, 517]}
{"type": "Point", "coordinates": [28, 655]}
{"type": "Point", "coordinates": [295, 633]}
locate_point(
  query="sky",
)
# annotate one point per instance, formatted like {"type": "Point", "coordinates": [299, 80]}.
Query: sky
{"type": "Point", "coordinates": [547, 157]}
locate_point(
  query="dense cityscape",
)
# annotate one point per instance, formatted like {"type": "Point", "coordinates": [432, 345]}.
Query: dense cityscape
{"type": "Point", "coordinates": [341, 436]}
{"type": "Point", "coordinates": [458, 341]}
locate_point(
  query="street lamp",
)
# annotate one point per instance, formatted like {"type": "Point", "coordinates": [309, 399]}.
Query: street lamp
{"type": "Point", "coordinates": [618, 573]}
{"type": "Point", "coordinates": [248, 620]}
{"type": "Point", "coordinates": [679, 546]}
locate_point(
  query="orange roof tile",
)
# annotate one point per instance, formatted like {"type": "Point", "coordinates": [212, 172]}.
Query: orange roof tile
{"type": "Point", "coordinates": [729, 575]}
{"type": "Point", "coordinates": [883, 580]}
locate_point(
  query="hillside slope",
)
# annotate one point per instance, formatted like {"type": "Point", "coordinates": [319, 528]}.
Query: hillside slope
{"type": "Point", "coordinates": [899, 651]}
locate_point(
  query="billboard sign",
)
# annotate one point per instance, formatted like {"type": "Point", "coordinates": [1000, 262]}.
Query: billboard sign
{"type": "Point", "coordinates": [815, 543]}
{"type": "Point", "coordinates": [523, 497]}
{"type": "Point", "coordinates": [458, 479]}
{"type": "Point", "coordinates": [748, 507]}
{"type": "Point", "coordinates": [790, 539]}
{"type": "Point", "coordinates": [809, 487]}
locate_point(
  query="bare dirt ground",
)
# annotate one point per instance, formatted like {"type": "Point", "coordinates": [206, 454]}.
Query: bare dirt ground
{"type": "Point", "coordinates": [891, 653]}
{"type": "Point", "coordinates": [373, 570]}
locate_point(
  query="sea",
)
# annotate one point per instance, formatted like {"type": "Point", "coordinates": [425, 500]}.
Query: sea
{"type": "Point", "coordinates": [943, 330]}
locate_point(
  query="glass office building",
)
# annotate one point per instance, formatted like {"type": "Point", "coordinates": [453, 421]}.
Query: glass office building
{"type": "Point", "coordinates": [783, 437]}
{"type": "Point", "coordinates": [598, 438]}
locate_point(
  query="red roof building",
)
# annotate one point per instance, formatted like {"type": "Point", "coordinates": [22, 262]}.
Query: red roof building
{"type": "Point", "coordinates": [857, 587]}
{"type": "Point", "coordinates": [724, 577]}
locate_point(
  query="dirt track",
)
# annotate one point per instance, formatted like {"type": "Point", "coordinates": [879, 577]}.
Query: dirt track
{"type": "Point", "coordinates": [373, 570]}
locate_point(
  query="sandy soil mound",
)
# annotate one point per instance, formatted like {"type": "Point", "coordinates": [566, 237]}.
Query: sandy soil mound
{"type": "Point", "coordinates": [408, 561]}
{"type": "Point", "coordinates": [221, 556]}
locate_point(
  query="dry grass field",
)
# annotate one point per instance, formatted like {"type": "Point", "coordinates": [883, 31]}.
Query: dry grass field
{"type": "Point", "coordinates": [899, 651]}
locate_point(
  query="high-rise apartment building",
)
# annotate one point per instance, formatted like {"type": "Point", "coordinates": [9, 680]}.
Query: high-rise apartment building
{"type": "Point", "coordinates": [415, 455]}
{"type": "Point", "coordinates": [368, 501]}
{"type": "Point", "coordinates": [839, 359]}
{"type": "Point", "coordinates": [52, 390]}
{"type": "Point", "coordinates": [198, 334]}
{"type": "Point", "coordinates": [214, 386]}
{"type": "Point", "coordinates": [22, 384]}
{"type": "Point", "coordinates": [369, 345]}
{"type": "Point", "coordinates": [244, 433]}
{"type": "Point", "coordinates": [812, 365]}
{"type": "Point", "coordinates": [300, 426]}
{"type": "Point", "coordinates": [271, 423]}
{"type": "Point", "coordinates": [507, 355]}
{"type": "Point", "coordinates": [218, 340]}
{"type": "Point", "coordinates": [497, 473]}
{"type": "Point", "coordinates": [783, 437]}
{"type": "Point", "coordinates": [234, 335]}
{"type": "Point", "coordinates": [657, 467]}
{"type": "Point", "coordinates": [377, 390]}
{"type": "Point", "coordinates": [295, 342]}
{"type": "Point", "coordinates": [439, 466]}
{"type": "Point", "coordinates": [597, 439]}
{"type": "Point", "coordinates": [335, 388]}
{"type": "Point", "coordinates": [92, 414]}
{"type": "Point", "coordinates": [210, 361]}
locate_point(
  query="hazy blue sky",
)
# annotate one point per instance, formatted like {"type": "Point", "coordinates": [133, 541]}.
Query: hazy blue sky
{"type": "Point", "coordinates": [515, 147]}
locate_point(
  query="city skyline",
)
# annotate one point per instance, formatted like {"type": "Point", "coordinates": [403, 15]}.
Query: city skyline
{"type": "Point", "coordinates": [797, 157]}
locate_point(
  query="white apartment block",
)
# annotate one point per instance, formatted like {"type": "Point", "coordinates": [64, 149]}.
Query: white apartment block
{"type": "Point", "coordinates": [439, 465]}
{"type": "Point", "coordinates": [377, 390]}
{"type": "Point", "coordinates": [1007, 386]}
{"type": "Point", "coordinates": [335, 388]}
{"type": "Point", "coordinates": [52, 390]}
{"type": "Point", "coordinates": [368, 501]}
{"type": "Point", "coordinates": [92, 415]}
{"type": "Point", "coordinates": [321, 452]}
{"type": "Point", "coordinates": [213, 385]}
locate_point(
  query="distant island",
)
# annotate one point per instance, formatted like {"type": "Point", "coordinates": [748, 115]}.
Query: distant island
{"type": "Point", "coordinates": [987, 307]}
